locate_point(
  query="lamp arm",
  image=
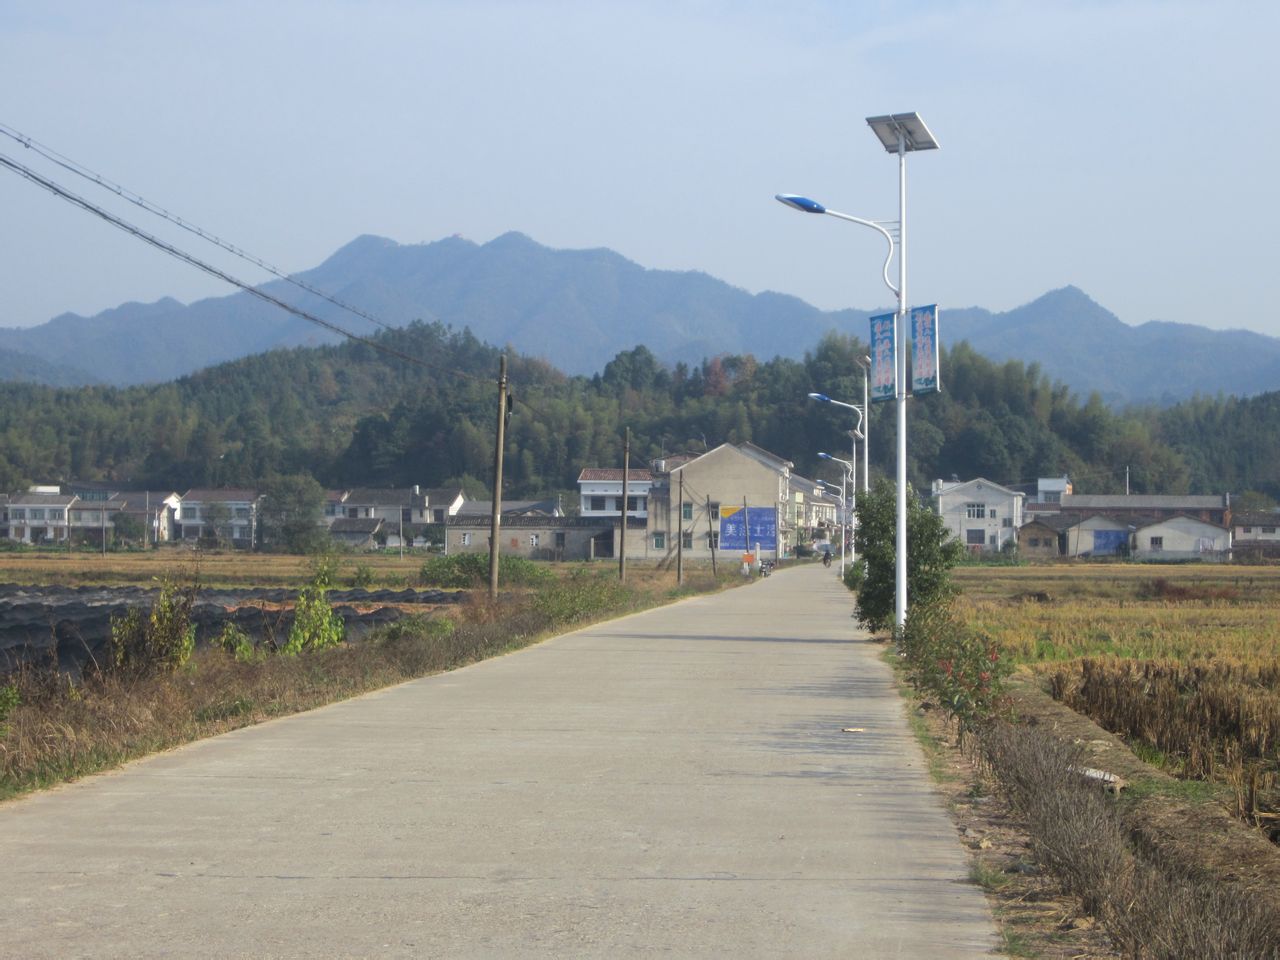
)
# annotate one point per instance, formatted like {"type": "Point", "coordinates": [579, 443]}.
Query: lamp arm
{"type": "Point", "coordinates": [882, 231]}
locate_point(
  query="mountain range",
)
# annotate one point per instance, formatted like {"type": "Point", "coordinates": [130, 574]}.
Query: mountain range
{"type": "Point", "coordinates": [578, 308]}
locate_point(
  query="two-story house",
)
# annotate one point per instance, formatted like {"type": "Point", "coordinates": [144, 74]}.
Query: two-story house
{"type": "Point", "coordinates": [982, 515]}
{"type": "Point", "coordinates": [227, 513]}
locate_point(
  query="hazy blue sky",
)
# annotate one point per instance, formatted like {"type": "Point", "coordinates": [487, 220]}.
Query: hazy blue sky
{"type": "Point", "coordinates": [1128, 148]}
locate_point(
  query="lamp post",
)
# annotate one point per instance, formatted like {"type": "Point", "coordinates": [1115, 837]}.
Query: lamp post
{"type": "Point", "coordinates": [843, 511]}
{"type": "Point", "coordinates": [859, 431]}
{"type": "Point", "coordinates": [900, 133]}
{"type": "Point", "coordinates": [846, 478]}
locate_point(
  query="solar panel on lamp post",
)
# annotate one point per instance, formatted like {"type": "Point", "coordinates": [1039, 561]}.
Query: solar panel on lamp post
{"type": "Point", "coordinates": [900, 133]}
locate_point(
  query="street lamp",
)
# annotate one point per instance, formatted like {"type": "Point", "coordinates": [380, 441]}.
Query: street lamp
{"type": "Point", "coordinates": [859, 432]}
{"type": "Point", "coordinates": [900, 133]}
{"type": "Point", "coordinates": [846, 478]}
{"type": "Point", "coordinates": [839, 493]}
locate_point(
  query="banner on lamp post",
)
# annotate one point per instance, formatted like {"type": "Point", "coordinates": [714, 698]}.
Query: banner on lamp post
{"type": "Point", "coordinates": [924, 350]}
{"type": "Point", "coordinates": [884, 358]}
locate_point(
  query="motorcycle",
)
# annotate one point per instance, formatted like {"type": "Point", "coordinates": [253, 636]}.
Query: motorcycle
{"type": "Point", "coordinates": [826, 559]}
{"type": "Point", "coordinates": [766, 567]}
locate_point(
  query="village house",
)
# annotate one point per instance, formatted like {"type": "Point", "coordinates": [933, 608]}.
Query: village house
{"type": "Point", "coordinates": [982, 515]}
{"type": "Point", "coordinates": [1255, 535]}
{"type": "Point", "coordinates": [1180, 538]}
{"type": "Point", "coordinates": [226, 513]}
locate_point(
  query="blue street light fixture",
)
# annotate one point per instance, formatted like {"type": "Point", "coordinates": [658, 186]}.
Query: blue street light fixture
{"type": "Point", "coordinates": [859, 432]}
{"type": "Point", "coordinates": [900, 133]}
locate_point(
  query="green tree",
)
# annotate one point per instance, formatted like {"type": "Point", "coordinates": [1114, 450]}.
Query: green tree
{"type": "Point", "coordinates": [217, 524]}
{"type": "Point", "coordinates": [292, 509]}
{"type": "Point", "coordinates": [931, 553]}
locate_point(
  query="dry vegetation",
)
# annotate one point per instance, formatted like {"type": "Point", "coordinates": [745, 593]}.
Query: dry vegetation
{"type": "Point", "coordinates": [53, 728]}
{"type": "Point", "coordinates": [1184, 662]}
{"type": "Point", "coordinates": [1169, 678]}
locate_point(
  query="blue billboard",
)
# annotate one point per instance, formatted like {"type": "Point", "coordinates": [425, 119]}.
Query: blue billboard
{"type": "Point", "coordinates": [745, 528]}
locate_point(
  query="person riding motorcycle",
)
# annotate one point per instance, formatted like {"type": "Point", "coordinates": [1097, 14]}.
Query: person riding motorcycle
{"type": "Point", "coordinates": [826, 557]}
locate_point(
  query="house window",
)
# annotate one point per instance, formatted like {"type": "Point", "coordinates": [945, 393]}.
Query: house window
{"type": "Point", "coordinates": [330, 509]}
{"type": "Point", "coordinates": [353, 513]}
{"type": "Point", "coordinates": [713, 539]}
{"type": "Point", "coordinates": [659, 541]}
{"type": "Point", "coordinates": [55, 514]}
{"type": "Point", "coordinates": [686, 511]}
{"type": "Point", "coordinates": [533, 541]}
{"type": "Point", "coordinates": [190, 513]}
{"type": "Point", "coordinates": [1248, 530]}
{"type": "Point", "coordinates": [1269, 530]}
{"type": "Point", "coordinates": [975, 538]}
{"type": "Point", "coordinates": [1157, 543]}
{"type": "Point", "coordinates": [466, 539]}
{"type": "Point", "coordinates": [19, 513]}
{"type": "Point", "coordinates": [241, 513]}
{"type": "Point", "coordinates": [686, 541]}
{"type": "Point", "coordinates": [1007, 522]}
{"type": "Point", "coordinates": [437, 515]}
{"type": "Point", "coordinates": [992, 513]}
{"type": "Point", "coordinates": [991, 541]}
{"type": "Point", "coordinates": [406, 514]}
{"type": "Point", "coordinates": [597, 503]}
{"type": "Point", "coordinates": [1033, 541]}
{"type": "Point", "coordinates": [975, 511]}
{"type": "Point", "coordinates": [633, 504]}
{"type": "Point", "coordinates": [713, 509]}
{"type": "Point", "coordinates": [37, 513]}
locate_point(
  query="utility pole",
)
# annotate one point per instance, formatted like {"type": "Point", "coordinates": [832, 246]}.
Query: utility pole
{"type": "Point", "coordinates": [495, 520]}
{"type": "Point", "coordinates": [622, 529]}
{"type": "Point", "coordinates": [680, 535]}
{"type": "Point", "coordinates": [710, 539]}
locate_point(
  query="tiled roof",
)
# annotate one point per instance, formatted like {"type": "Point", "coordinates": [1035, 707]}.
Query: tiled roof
{"type": "Point", "coordinates": [636, 475]}
{"type": "Point", "coordinates": [383, 496]}
{"type": "Point", "coordinates": [1096, 501]}
{"type": "Point", "coordinates": [365, 525]}
{"type": "Point", "coordinates": [1255, 519]}
{"type": "Point", "coordinates": [221, 495]}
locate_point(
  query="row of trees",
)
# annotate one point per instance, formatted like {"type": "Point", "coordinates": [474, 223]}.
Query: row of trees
{"type": "Point", "coordinates": [352, 415]}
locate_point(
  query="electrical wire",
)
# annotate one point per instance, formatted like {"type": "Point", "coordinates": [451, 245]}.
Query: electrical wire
{"type": "Point", "coordinates": [137, 232]}
{"type": "Point", "coordinates": [125, 193]}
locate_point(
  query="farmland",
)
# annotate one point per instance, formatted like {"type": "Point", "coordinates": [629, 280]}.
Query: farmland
{"type": "Point", "coordinates": [1182, 661]}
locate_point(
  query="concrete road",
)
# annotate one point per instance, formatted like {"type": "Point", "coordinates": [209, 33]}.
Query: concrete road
{"type": "Point", "coordinates": [676, 783]}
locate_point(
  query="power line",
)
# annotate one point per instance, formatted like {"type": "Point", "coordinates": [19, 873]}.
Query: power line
{"type": "Point", "coordinates": [171, 250]}
{"type": "Point", "coordinates": [82, 171]}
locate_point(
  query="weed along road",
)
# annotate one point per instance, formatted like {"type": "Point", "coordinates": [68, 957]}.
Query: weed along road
{"type": "Point", "coordinates": [731, 776]}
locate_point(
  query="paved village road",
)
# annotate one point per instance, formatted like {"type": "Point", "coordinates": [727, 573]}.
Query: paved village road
{"type": "Point", "coordinates": [675, 783]}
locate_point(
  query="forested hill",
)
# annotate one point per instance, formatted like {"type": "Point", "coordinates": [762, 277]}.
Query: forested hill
{"type": "Point", "coordinates": [578, 308]}
{"type": "Point", "coordinates": [351, 415]}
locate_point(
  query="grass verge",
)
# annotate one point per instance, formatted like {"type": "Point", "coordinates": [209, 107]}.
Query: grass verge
{"type": "Point", "coordinates": [54, 730]}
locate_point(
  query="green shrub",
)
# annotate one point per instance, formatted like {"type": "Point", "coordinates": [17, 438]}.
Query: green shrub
{"type": "Point", "coordinates": [363, 576]}
{"type": "Point", "coordinates": [315, 625]}
{"type": "Point", "coordinates": [160, 642]}
{"type": "Point", "coordinates": [945, 657]}
{"type": "Point", "coordinates": [9, 701]}
{"type": "Point", "coordinates": [237, 643]}
{"type": "Point", "coordinates": [469, 570]}
{"type": "Point", "coordinates": [581, 596]}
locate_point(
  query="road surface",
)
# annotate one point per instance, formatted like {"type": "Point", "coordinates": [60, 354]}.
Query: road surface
{"type": "Point", "coordinates": [731, 776]}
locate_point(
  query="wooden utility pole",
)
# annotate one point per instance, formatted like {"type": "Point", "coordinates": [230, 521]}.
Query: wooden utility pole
{"type": "Point", "coordinates": [622, 530]}
{"type": "Point", "coordinates": [495, 520]}
{"type": "Point", "coordinates": [680, 534]}
{"type": "Point", "coordinates": [710, 538]}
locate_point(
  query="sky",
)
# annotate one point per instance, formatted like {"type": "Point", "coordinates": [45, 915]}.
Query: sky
{"type": "Point", "coordinates": [1124, 147]}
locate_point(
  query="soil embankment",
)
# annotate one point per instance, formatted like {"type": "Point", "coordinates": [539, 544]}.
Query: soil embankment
{"type": "Point", "coordinates": [72, 625]}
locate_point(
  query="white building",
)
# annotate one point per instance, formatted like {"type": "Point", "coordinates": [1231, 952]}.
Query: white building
{"type": "Point", "coordinates": [982, 515]}
{"type": "Point", "coordinates": [1181, 538]}
{"type": "Point", "coordinates": [600, 492]}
